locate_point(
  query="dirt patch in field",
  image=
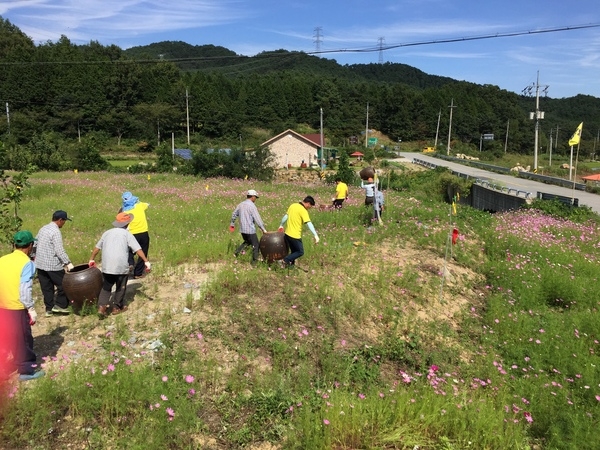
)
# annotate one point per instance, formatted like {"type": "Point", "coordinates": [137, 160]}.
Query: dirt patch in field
{"type": "Point", "coordinates": [157, 302]}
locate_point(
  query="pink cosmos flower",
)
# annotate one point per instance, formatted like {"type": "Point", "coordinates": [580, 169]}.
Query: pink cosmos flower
{"type": "Point", "coordinates": [165, 378]}
{"type": "Point", "coordinates": [189, 379]}
{"type": "Point", "coordinates": [326, 422]}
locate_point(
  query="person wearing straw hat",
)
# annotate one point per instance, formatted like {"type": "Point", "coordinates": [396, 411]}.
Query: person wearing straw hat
{"type": "Point", "coordinates": [116, 244]}
{"type": "Point", "coordinates": [249, 220]}
{"type": "Point", "coordinates": [17, 311]}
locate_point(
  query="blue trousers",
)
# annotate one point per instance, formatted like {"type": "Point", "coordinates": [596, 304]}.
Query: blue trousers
{"type": "Point", "coordinates": [296, 249]}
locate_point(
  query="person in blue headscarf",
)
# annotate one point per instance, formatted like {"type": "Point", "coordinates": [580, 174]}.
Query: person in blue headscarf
{"type": "Point", "coordinates": [138, 227]}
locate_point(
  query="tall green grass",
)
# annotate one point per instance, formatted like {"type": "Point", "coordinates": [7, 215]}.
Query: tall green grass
{"type": "Point", "coordinates": [366, 349]}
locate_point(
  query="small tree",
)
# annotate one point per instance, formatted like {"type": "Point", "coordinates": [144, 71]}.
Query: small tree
{"type": "Point", "coordinates": [344, 172]}
{"type": "Point", "coordinates": [11, 193]}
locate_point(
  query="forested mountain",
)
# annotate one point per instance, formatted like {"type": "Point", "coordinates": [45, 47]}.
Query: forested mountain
{"type": "Point", "coordinates": [211, 58]}
{"type": "Point", "coordinates": [138, 95]}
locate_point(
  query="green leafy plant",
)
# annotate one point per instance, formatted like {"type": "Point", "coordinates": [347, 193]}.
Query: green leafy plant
{"type": "Point", "coordinates": [12, 188]}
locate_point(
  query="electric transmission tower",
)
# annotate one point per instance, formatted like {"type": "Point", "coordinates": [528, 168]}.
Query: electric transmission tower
{"type": "Point", "coordinates": [318, 38]}
{"type": "Point", "coordinates": [381, 41]}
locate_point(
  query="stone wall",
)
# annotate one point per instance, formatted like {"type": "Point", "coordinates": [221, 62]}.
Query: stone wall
{"type": "Point", "coordinates": [301, 175]}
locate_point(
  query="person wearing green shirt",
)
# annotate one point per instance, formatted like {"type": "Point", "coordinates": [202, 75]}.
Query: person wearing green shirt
{"type": "Point", "coordinates": [294, 220]}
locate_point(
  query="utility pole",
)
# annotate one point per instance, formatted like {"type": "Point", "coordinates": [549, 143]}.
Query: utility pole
{"type": "Point", "coordinates": [7, 119]}
{"type": "Point", "coordinates": [437, 130]}
{"type": "Point", "coordinates": [452, 106]}
{"type": "Point", "coordinates": [506, 137]}
{"type": "Point", "coordinates": [537, 115]}
{"type": "Point", "coordinates": [367, 128]}
{"type": "Point", "coordinates": [321, 136]}
{"type": "Point", "coordinates": [550, 149]}
{"type": "Point", "coordinates": [187, 113]}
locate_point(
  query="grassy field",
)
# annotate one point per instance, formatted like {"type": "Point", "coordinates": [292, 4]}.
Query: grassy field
{"type": "Point", "coordinates": [387, 336]}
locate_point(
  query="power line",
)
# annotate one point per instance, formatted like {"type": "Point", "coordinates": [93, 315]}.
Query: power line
{"type": "Point", "coordinates": [469, 38]}
{"type": "Point", "coordinates": [279, 54]}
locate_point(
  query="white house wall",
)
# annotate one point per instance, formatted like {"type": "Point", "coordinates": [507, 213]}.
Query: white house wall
{"type": "Point", "coordinates": [290, 150]}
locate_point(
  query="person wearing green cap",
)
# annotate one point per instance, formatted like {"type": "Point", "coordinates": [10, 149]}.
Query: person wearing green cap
{"type": "Point", "coordinates": [17, 311]}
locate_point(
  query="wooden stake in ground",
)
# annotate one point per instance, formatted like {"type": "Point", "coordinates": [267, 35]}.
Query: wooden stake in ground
{"type": "Point", "coordinates": [375, 190]}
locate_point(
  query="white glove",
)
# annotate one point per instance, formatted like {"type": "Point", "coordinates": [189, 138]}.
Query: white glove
{"type": "Point", "coordinates": [317, 239]}
{"type": "Point", "coordinates": [69, 267]}
{"type": "Point", "coordinates": [148, 266]}
{"type": "Point", "coordinates": [32, 315]}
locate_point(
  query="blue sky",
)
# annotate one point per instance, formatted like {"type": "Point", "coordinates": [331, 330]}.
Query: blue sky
{"type": "Point", "coordinates": [568, 61]}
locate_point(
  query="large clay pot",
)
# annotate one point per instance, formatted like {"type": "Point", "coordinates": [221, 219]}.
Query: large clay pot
{"type": "Point", "coordinates": [273, 246]}
{"type": "Point", "coordinates": [82, 285]}
{"type": "Point", "coordinates": [366, 173]}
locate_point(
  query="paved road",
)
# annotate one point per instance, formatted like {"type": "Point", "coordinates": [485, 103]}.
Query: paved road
{"type": "Point", "coordinates": [521, 184]}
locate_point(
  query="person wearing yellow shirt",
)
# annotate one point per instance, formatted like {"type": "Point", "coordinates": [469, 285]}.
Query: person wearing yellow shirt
{"type": "Point", "coordinates": [341, 193]}
{"type": "Point", "coordinates": [294, 219]}
{"type": "Point", "coordinates": [17, 312]}
{"type": "Point", "coordinates": [138, 227]}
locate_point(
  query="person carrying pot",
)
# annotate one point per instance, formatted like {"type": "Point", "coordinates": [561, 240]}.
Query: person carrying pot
{"type": "Point", "coordinates": [116, 244]}
{"type": "Point", "coordinates": [249, 220]}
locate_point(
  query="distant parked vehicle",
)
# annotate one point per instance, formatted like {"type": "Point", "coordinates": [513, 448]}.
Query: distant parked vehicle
{"type": "Point", "coordinates": [428, 149]}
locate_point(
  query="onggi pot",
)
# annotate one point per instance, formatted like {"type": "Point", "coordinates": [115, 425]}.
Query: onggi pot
{"type": "Point", "coordinates": [82, 285]}
{"type": "Point", "coordinates": [272, 246]}
{"type": "Point", "coordinates": [366, 173]}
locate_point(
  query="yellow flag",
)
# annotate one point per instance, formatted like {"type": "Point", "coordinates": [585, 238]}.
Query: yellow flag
{"type": "Point", "coordinates": [576, 136]}
{"type": "Point", "coordinates": [246, 177]}
{"type": "Point", "coordinates": [453, 208]}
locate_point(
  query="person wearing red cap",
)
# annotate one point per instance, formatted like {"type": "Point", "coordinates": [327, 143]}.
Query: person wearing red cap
{"type": "Point", "coordinates": [17, 311]}
{"type": "Point", "coordinates": [116, 244]}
